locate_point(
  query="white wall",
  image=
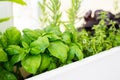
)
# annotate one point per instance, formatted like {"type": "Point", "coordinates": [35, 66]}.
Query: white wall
{"type": "Point", "coordinates": [5, 11]}
{"type": "Point", "coordinates": [27, 16]}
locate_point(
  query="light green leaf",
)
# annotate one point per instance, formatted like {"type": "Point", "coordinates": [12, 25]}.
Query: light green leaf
{"type": "Point", "coordinates": [66, 37]}
{"type": "Point", "coordinates": [17, 58]}
{"type": "Point", "coordinates": [59, 50]}
{"type": "Point", "coordinates": [4, 19]}
{"type": "Point", "coordinates": [3, 56]}
{"type": "Point", "coordinates": [31, 63]}
{"type": "Point", "coordinates": [75, 51]}
{"type": "Point", "coordinates": [45, 62]}
{"type": "Point", "coordinates": [3, 41]}
{"type": "Point", "coordinates": [14, 49]}
{"type": "Point", "coordinates": [39, 45]}
{"type": "Point", "coordinates": [16, 1]}
{"type": "Point", "coordinates": [13, 36]}
{"type": "Point", "coordinates": [31, 34]}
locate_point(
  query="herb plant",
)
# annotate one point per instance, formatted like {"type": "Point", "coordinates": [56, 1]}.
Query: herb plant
{"type": "Point", "coordinates": [37, 51]}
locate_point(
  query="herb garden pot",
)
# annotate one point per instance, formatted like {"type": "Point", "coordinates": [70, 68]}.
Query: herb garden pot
{"type": "Point", "coordinates": [102, 66]}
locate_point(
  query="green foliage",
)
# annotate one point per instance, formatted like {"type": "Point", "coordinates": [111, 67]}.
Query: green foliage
{"type": "Point", "coordinates": [75, 52]}
{"type": "Point", "coordinates": [31, 63]}
{"type": "Point", "coordinates": [3, 56]}
{"type": "Point", "coordinates": [59, 50]}
{"type": "Point", "coordinates": [14, 49]}
{"type": "Point", "coordinates": [39, 45]}
{"type": "Point", "coordinates": [13, 36]}
{"type": "Point", "coordinates": [4, 19]}
{"type": "Point", "coordinates": [103, 38]}
{"type": "Point", "coordinates": [45, 62]}
{"type": "Point", "coordinates": [6, 75]}
{"type": "Point", "coordinates": [37, 51]}
{"type": "Point", "coordinates": [16, 1]}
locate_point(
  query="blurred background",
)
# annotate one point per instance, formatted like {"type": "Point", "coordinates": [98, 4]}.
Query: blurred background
{"type": "Point", "coordinates": [28, 16]}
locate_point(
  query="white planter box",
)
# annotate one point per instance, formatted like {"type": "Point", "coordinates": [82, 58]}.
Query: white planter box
{"type": "Point", "coordinates": [102, 66]}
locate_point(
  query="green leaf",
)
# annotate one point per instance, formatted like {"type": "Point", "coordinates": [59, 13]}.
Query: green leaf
{"type": "Point", "coordinates": [53, 29]}
{"type": "Point", "coordinates": [25, 39]}
{"type": "Point", "coordinates": [25, 45]}
{"type": "Point", "coordinates": [31, 34]}
{"type": "Point", "coordinates": [13, 35]}
{"type": "Point", "coordinates": [45, 62]}
{"type": "Point", "coordinates": [59, 50]}
{"type": "Point", "coordinates": [39, 45]}
{"type": "Point", "coordinates": [16, 1]}
{"type": "Point", "coordinates": [8, 66]}
{"type": "Point", "coordinates": [31, 63]}
{"type": "Point", "coordinates": [4, 19]}
{"type": "Point", "coordinates": [14, 49]}
{"type": "Point", "coordinates": [3, 41]}
{"type": "Point", "coordinates": [3, 56]}
{"type": "Point", "coordinates": [6, 75]}
{"type": "Point", "coordinates": [75, 51]}
{"type": "Point", "coordinates": [17, 58]}
{"type": "Point", "coordinates": [52, 37]}
{"type": "Point", "coordinates": [52, 66]}
{"type": "Point", "coordinates": [66, 37]}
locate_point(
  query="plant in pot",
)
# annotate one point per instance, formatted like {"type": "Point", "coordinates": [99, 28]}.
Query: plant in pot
{"type": "Point", "coordinates": [37, 51]}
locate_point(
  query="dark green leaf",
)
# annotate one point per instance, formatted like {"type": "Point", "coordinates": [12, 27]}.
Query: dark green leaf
{"type": "Point", "coordinates": [6, 75]}
{"type": "Point", "coordinates": [8, 66]}
{"type": "Point", "coordinates": [52, 66]}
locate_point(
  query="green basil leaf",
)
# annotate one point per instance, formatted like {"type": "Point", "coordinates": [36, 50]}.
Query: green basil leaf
{"type": "Point", "coordinates": [17, 58]}
{"type": "Point", "coordinates": [52, 66]}
{"type": "Point", "coordinates": [25, 45]}
{"type": "Point", "coordinates": [53, 29]}
{"type": "Point", "coordinates": [66, 37]}
{"type": "Point", "coordinates": [31, 34]}
{"type": "Point", "coordinates": [13, 36]}
{"type": "Point", "coordinates": [31, 63]}
{"type": "Point", "coordinates": [8, 66]}
{"type": "Point", "coordinates": [75, 51]}
{"type": "Point", "coordinates": [14, 49]}
{"type": "Point", "coordinates": [59, 50]}
{"type": "Point", "coordinates": [3, 56]}
{"type": "Point", "coordinates": [3, 41]}
{"type": "Point", "coordinates": [39, 45]}
{"type": "Point", "coordinates": [6, 75]}
{"type": "Point", "coordinates": [52, 37]}
{"type": "Point", "coordinates": [45, 62]}
{"type": "Point", "coordinates": [25, 39]}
